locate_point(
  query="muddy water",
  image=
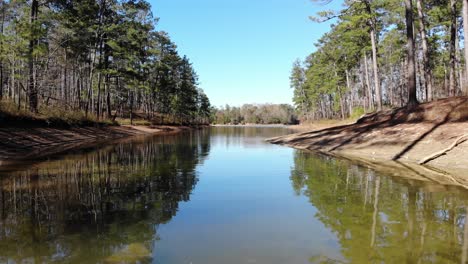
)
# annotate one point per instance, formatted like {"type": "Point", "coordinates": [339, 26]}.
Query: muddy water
{"type": "Point", "coordinates": [223, 195]}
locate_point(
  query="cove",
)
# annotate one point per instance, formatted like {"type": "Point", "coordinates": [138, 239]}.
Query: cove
{"type": "Point", "coordinates": [223, 195]}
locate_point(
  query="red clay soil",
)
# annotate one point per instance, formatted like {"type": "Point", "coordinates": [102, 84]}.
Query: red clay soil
{"type": "Point", "coordinates": [403, 135]}
{"type": "Point", "coordinates": [23, 143]}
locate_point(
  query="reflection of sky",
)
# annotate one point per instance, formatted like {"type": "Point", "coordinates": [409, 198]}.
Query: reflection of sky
{"type": "Point", "coordinates": [244, 137]}
{"type": "Point", "coordinates": [244, 210]}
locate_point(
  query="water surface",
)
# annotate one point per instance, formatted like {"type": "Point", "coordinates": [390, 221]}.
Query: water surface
{"type": "Point", "coordinates": [223, 195]}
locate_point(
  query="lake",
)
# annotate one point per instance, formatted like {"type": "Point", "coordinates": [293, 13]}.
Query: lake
{"type": "Point", "coordinates": [223, 195]}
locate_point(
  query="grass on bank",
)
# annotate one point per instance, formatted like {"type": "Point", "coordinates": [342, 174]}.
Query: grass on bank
{"type": "Point", "coordinates": [11, 115]}
{"type": "Point", "coordinates": [59, 117]}
{"type": "Point", "coordinates": [136, 122]}
{"type": "Point", "coordinates": [326, 123]}
{"type": "Point", "coordinates": [445, 110]}
{"type": "Point", "coordinates": [322, 124]}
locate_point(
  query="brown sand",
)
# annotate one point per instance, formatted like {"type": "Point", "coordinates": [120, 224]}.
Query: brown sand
{"type": "Point", "coordinates": [402, 136]}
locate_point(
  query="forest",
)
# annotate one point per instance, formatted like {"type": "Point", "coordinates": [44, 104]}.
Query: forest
{"type": "Point", "coordinates": [383, 54]}
{"type": "Point", "coordinates": [264, 114]}
{"type": "Point", "coordinates": [96, 59]}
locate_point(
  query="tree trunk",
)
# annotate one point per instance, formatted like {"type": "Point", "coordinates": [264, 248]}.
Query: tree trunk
{"type": "Point", "coordinates": [452, 48]}
{"type": "Point", "coordinates": [348, 87]}
{"type": "Point", "coordinates": [411, 67]}
{"type": "Point", "coordinates": [369, 88]}
{"type": "Point", "coordinates": [365, 102]}
{"type": "Point", "coordinates": [419, 78]}
{"type": "Point", "coordinates": [372, 32]}
{"type": "Point", "coordinates": [426, 64]}
{"type": "Point", "coordinates": [342, 106]}
{"type": "Point", "coordinates": [108, 99]}
{"type": "Point", "coordinates": [459, 72]}
{"type": "Point", "coordinates": [446, 82]}
{"type": "Point", "coordinates": [98, 107]}
{"type": "Point", "coordinates": [32, 91]}
{"type": "Point", "coordinates": [1, 50]}
{"type": "Point", "coordinates": [378, 91]}
{"type": "Point", "coordinates": [131, 107]}
{"type": "Point", "coordinates": [465, 31]}
{"type": "Point", "coordinates": [13, 79]}
{"type": "Point", "coordinates": [90, 85]}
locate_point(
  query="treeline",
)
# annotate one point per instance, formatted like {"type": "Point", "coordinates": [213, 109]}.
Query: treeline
{"type": "Point", "coordinates": [103, 58]}
{"type": "Point", "coordinates": [255, 114]}
{"type": "Point", "coordinates": [383, 54]}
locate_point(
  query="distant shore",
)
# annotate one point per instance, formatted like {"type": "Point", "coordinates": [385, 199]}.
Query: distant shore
{"type": "Point", "coordinates": [433, 134]}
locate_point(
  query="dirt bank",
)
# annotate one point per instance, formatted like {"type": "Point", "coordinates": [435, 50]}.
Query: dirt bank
{"type": "Point", "coordinates": [319, 125]}
{"type": "Point", "coordinates": [25, 143]}
{"type": "Point", "coordinates": [399, 135]}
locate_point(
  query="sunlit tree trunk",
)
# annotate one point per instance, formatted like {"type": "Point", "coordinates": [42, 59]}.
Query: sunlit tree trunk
{"type": "Point", "coordinates": [369, 88]}
{"type": "Point", "coordinates": [465, 31]}
{"type": "Point", "coordinates": [452, 48]}
{"type": "Point", "coordinates": [378, 91]}
{"type": "Point", "coordinates": [348, 86]}
{"type": "Point", "coordinates": [373, 38]}
{"type": "Point", "coordinates": [425, 65]}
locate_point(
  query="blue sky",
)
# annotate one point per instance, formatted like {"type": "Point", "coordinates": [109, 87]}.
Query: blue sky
{"type": "Point", "coordinates": [242, 50]}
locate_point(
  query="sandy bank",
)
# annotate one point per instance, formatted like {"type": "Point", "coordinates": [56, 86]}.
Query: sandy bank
{"type": "Point", "coordinates": [402, 137]}
{"type": "Point", "coordinates": [25, 143]}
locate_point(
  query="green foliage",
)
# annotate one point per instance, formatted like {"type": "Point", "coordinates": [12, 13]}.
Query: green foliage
{"type": "Point", "coordinates": [339, 75]}
{"type": "Point", "coordinates": [104, 58]}
{"type": "Point", "coordinates": [256, 114]}
{"type": "Point", "coordinates": [357, 112]}
{"type": "Point", "coordinates": [53, 116]}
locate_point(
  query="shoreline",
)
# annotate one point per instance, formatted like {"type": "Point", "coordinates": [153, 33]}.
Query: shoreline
{"type": "Point", "coordinates": [252, 125]}
{"type": "Point", "coordinates": [19, 144]}
{"type": "Point", "coordinates": [428, 173]}
{"type": "Point", "coordinates": [399, 138]}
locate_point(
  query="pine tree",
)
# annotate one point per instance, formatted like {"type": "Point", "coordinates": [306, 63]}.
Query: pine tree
{"type": "Point", "coordinates": [411, 68]}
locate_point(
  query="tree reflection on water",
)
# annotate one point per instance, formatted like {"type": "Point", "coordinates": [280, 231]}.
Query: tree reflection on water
{"type": "Point", "coordinates": [100, 206]}
{"type": "Point", "coordinates": [380, 219]}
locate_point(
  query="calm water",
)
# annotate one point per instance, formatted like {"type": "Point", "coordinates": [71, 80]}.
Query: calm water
{"type": "Point", "coordinates": [223, 195]}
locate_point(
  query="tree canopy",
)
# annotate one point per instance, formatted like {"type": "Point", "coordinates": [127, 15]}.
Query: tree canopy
{"type": "Point", "coordinates": [104, 58]}
{"type": "Point", "coordinates": [255, 114]}
{"type": "Point", "coordinates": [371, 58]}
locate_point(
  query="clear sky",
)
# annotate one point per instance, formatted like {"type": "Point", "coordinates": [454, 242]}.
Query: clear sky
{"type": "Point", "coordinates": [242, 50]}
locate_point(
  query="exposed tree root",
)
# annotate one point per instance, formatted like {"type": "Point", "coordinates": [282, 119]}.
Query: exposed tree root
{"type": "Point", "coordinates": [443, 152]}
